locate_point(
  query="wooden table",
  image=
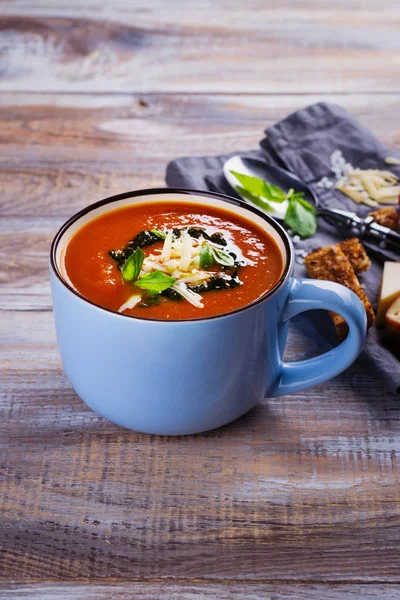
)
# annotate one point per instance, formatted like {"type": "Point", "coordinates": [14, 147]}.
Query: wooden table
{"type": "Point", "coordinates": [300, 498]}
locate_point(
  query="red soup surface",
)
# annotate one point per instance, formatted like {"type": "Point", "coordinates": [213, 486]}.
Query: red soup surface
{"type": "Point", "coordinates": [191, 262]}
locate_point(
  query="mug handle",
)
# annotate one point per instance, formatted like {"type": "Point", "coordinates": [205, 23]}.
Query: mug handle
{"type": "Point", "coordinates": [312, 294]}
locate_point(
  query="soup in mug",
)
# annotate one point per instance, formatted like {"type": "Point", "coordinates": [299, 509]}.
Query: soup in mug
{"type": "Point", "coordinates": [166, 260]}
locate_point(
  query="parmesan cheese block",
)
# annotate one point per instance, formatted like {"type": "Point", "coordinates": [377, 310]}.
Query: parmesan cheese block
{"type": "Point", "coordinates": [390, 289]}
{"type": "Point", "coordinates": [392, 319]}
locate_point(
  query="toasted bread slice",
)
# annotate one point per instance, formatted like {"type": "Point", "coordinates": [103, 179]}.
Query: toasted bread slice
{"type": "Point", "coordinates": [388, 217]}
{"type": "Point", "coordinates": [355, 252]}
{"type": "Point", "coordinates": [332, 264]}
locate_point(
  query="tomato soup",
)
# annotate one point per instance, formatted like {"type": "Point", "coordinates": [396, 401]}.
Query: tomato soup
{"type": "Point", "coordinates": [166, 260]}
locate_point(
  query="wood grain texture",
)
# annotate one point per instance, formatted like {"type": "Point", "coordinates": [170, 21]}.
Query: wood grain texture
{"type": "Point", "coordinates": [98, 46]}
{"type": "Point", "coordinates": [304, 487]}
{"type": "Point", "coordinates": [198, 591]}
{"type": "Point", "coordinates": [62, 152]}
{"type": "Point", "coordinates": [301, 497]}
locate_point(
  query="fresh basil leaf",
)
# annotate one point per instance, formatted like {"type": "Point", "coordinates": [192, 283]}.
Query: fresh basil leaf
{"type": "Point", "coordinates": [159, 234]}
{"type": "Point", "coordinates": [155, 282]}
{"type": "Point", "coordinates": [300, 217]}
{"type": "Point", "coordinates": [133, 265]}
{"type": "Point", "coordinates": [274, 193]}
{"type": "Point", "coordinates": [260, 188]}
{"type": "Point", "coordinates": [206, 256]}
{"type": "Point", "coordinates": [306, 204]}
{"type": "Point", "coordinates": [255, 200]}
{"type": "Point", "coordinates": [222, 257]}
{"type": "Point", "coordinates": [297, 196]}
{"type": "Point", "coordinates": [254, 185]}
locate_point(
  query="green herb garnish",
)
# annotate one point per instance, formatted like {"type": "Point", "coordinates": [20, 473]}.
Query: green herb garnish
{"type": "Point", "coordinates": [159, 234]}
{"type": "Point", "coordinates": [300, 215]}
{"type": "Point", "coordinates": [209, 254]}
{"type": "Point", "coordinates": [132, 266]}
{"type": "Point", "coordinates": [255, 199]}
{"type": "Point", "coordinates": [260, 188]}
{"type": "Point", "coordinates": [206, 256]}
{"type": "Point", "coordinates": [222, 257]}
{"type": "Point", "coordinates": [217, 238]}
{"type": "Point", "coordinates": [155, 282]}
{"type": "Point", "coordinates": [141, 240]}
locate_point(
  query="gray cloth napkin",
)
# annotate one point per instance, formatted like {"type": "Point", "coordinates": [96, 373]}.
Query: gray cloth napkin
{"type": "Point", "coordinates": [303, 143]}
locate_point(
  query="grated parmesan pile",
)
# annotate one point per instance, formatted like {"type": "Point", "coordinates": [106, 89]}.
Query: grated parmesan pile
{"type": "Point", "coordinates": [364, 186]}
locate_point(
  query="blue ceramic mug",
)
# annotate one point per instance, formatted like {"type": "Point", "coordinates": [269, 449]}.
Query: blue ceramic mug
{"type": "Point", "coordinates": [183, 377]}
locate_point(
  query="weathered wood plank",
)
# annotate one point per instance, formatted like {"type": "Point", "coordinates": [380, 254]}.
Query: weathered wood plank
{"type": "Point", "coordinates": [303, 488]}
{"type": "Point", "coordinates": [24, 275]}
{"type": "Point", "coordinates": [62, 152]}
{"type": "Point", "coordinates": [198, 591]}
{"type": "Point", "coordinates": [207, 46]}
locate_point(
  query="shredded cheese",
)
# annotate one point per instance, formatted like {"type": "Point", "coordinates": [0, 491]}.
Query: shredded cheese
{"type": "Point", "coordinates": [194, 278]}
{"type": "Point", "coordinates": [370, 186]}
{"type": "Point", "coordinates": [130, 303]}
{"type": "Point", "coordinates": [166, 251]}
{"type": "Point", "coordinates": [365, 186]}
{"type": "Point", "coordinates": [172, 264]}
{"type": "Point", "coordinates": [196, 262]}
{"type": "Point", "coordinates": [392, 160]}
{"type": "Point", "coordinates": [186, 252]}
{"type": "Point", "coordinates": [190, 296]}
{"type": "Point", "coordinates": [152, 265]}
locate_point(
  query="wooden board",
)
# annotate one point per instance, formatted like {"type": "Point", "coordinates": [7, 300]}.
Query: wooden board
{"type": "Point", "coordinates": [221, 46]}
{"type": "Point", "coordinates": [300, 498]}
{"type": "Point", "coordinates": [303, 487]}
{"type": "Point", "coordinates": [64, 151]}
{"type": "Point", "coordinates": [199, 591]}
{"type": "Point", "coordinates": [306, 486]}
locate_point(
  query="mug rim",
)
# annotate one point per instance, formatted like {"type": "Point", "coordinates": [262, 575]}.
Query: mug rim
{"type": "Point", "coordinates": [190, 192]}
